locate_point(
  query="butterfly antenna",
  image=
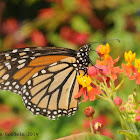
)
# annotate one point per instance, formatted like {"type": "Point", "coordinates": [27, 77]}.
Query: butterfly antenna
{"type": "Point", "coordinates": [94, 65]}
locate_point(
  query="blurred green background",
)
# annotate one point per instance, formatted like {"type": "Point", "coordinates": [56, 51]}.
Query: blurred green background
{"type": "Point", "coordinates": [70, 24]}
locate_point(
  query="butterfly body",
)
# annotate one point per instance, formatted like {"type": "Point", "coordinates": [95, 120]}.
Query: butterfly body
{"type": "Point", "coordinates": [44, 77]}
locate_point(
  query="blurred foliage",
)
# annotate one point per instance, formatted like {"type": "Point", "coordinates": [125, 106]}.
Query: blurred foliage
{"type": "Point", "coordinates": [66, 24]}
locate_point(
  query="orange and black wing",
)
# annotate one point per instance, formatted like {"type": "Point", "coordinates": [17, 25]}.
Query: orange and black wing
{"type": "Point", "coordinates": [35, 59]}
{"type": "Point", "coordinates": [44, 77]}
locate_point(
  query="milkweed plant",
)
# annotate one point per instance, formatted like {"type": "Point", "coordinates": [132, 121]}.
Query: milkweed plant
{"type": "Point", "coordinates": [99, 83]}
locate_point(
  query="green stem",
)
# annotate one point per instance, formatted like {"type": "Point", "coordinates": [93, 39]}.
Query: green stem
{"type": "Point", "coordinates": [120, 84]}
{"type": "Point", "coordinates": [120, 115]}
{"type": "Point", "coordinates": [91, 128]}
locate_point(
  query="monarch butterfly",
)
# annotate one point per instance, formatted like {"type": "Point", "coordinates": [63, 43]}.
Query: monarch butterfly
{"type": "Point", "coordinates": [45, 77]}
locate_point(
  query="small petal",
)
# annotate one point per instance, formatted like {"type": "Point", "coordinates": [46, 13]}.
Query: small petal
{"type": "Point", "coordinates": [92, 71]}
{"type": "Point", "coordinates": [129, 57]}
{"type": "Point", "coordinates": [98, 126]}
{"type": "Point", "coordinates": [80, 93]}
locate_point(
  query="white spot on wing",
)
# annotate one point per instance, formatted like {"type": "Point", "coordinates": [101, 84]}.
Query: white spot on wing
{"type": "Point", "coordinates": [21, 61]}
{"type": "Point", "coordinates": [26, 49]}
{"type": "Point", "coordinates": [5, 77]}
{"type": "Point", "coordinates": [14, 59]}
{"type": "Point", "coordinates": [21, 66]}
{"type": "Point", "coordinates": [53, 64]}
{"type": "Point", "coordinates": [14, 51]}
{"type": "Point", "coordinates": [7, 54]}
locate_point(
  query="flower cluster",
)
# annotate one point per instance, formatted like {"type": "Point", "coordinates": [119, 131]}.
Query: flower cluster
{"type": "Point", "coordinates": [89, 90]}
{"type": "Point", "coordinates": [103, 73]}
{"type": "Point", "coordinates": [132, 71]}
{"type": "Point", "coordinates": [102, 78]}
{"type": "Point", "coordinates": [129, 109]}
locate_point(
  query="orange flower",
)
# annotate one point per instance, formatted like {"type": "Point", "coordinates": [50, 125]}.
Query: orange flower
{"type": "Point", "coordinates": [91, 95]}
{"type": "Point", "coordinates": [129, 57]}
{"type": "Point", "coordinates": [128, 68]}
{"type": "Point", "coordinates": [88, 90]}
{"type": "Point", "coordinates": [104, 49]}
{"type": "Point", "coordinates": [136, 76]}
{"type": "Point", "coordinates": [110, 64]}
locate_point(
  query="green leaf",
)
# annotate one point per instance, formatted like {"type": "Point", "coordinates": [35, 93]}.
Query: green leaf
{"type": "Point", "coordinates": [79, 24]}
{"type": "Point", "coordinates": [129, 134]}
{"type": "Point", "coordinates": [85, 136]}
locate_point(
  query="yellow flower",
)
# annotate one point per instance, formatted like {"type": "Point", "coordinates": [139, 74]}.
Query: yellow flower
{"type": "Point", "coordinates": [85, 81]}
{"type": "Point", "coordinates": [129, 57]}
{"type": "Point", "coordinates": [137, 64]}
{"type": "Point", "coordinates": [104, 49]}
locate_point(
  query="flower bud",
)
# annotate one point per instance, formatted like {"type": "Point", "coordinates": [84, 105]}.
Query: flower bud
{"type": "Point", "coordinates": [137, 118]}
{"type": "Point", "coordinates": [118, 101]}
{"type": "Point", "coordinates": [98, 51]}
{"type": "Point", "coordinates": [98, 126]}
{"type": "Point", "coordinates": [89, 112]}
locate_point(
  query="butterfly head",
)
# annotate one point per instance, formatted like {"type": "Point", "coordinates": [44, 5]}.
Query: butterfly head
{"type": "Point", "coordinates": [82, 58]}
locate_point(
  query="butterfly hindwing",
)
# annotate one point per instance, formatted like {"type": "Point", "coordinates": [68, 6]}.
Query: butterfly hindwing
{"type": "Point", "coordinates": [50, 92]}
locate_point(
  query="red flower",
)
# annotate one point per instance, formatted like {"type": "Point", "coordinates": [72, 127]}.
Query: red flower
{"type": "Point", "coordinates": [79, 38]}
{"type": "Point", "coordinates": [98, 69]}
{"type": "Point", "coordinates": [10, 26]}
{"type": "Point", "coordinates": [38, 38]}
{"type": "Point", "coordinates": [7, 124]}
{"type": "Point", "coordinates": [46, 13]}
{"type": "Point", "coordinates": [101, 119]}
{"type": "Point", "coordinates": [72, 36]}
{"type": "Point", "coordinates": [104, 120]}
{"type": "Point", "coordinates": [108, 133]}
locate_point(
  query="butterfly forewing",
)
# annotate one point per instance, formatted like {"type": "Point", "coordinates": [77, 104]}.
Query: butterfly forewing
{"type": "Point", "coordinates": [44, 77]}
{"type": "Point", "coordinates": [17, 66]}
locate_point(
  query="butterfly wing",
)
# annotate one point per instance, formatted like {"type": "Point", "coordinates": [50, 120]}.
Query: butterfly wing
{"type": "Point", "coordinates": [50, 91]}
{"type": "Point", "coordinates": [11, 62]}
{"type": "Point", "coordinates": [45, 78]}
